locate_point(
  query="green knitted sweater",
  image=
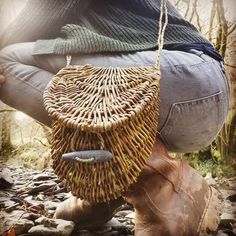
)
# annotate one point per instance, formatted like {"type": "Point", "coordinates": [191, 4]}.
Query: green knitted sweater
{"type": "Point", "coordinates": [93, 26]}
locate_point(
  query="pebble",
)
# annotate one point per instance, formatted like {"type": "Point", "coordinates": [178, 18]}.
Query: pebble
{"type": "Point", "coordinates": [42, 187]}
{"type": "Point", "coordinates": [123, 213]}
{"type": "Point", "coordinates": [227, 218]}
{"type": "Point", "coordinates": [31, 216]}
{"type": "Point", "coordinates": [6, 179]}
{"type": "Point", "coordinates": [52, 227]}
{"type": "Point", "coordinates": [43, 176]}
{"type": "Point", "coordinates": [44, 231]}
{"type": "Point", "coordinates": [208, 177]}
{"type": "Point", "coordinates": [122, 220]}
{"type": "Point", "coordinates": [21, 225]}
{"type": "Point", "coordinates": [115, 224]}
{"type": "Point", "coordinates": [50, 205]}
{"type": "Point", "coordinates": [130, 215]}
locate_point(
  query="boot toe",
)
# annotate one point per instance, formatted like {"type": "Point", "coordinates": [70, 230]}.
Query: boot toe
{"type": "Point", "coordinates": [211, 215]}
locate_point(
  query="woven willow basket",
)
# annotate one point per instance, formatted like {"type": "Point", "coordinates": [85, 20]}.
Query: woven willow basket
{"type": "Point", "coordinates": [94, 108]}
{"type": "Point", "coordinates": [104, 124]}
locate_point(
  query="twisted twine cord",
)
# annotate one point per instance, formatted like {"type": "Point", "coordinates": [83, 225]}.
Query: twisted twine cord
{"type": "Point", "coordinates": [161, 32]}
{"type": "Point", "coordinates": [68, 60]}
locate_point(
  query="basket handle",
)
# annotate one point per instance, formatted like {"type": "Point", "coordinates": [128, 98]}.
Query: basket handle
{"type": "Point", "coordinates": [161, 32]}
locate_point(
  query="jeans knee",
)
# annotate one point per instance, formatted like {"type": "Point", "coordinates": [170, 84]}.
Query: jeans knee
{"type": "Point", "coordinates": [15, 52]}
{"type": "Point", "coordinates": [6, 54]}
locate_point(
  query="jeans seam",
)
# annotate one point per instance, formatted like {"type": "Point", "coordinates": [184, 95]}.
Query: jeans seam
{"type": "Point", "coordinates": [23, 81]}
{"type": "Point", "coordinates": [222, 71]}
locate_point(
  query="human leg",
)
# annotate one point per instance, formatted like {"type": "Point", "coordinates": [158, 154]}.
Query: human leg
{"type": "Point", "coordinates": [24, 82]}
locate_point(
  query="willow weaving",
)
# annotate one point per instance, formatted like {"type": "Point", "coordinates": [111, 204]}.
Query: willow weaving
{"type": "Point", "coordinates": [111, 109]}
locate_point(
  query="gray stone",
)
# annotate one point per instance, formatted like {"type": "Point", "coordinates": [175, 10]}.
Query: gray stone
{"type": "Point", "coordinates": [66, 227]}
{"type": "Point", "coordinates": [221, 233]}
{"type": "Point", "coordinates": [45, 221]}
{"type": "Point", "coordinates": [42, 176]}
{"type": "Point", "coordinates": [50, 205]}
{"type": "Point", "coordinates": [121, 219]}
{"type": "Point", "coordinates": [40, 197]}
{"type": "Point", "coordinates": [130, 227]}
{"type": "Point", "coordinates": [40, 188]}
{"type": "Point", "coordinates": [5, 202]}
{"type": "Point", "coordinates": [6, 179]}
{"type": "Point", "coordinates": [115, 224]}
{"type": "Point", "coordinates": [62, 196]}
{"type": "Point", "coordinates": [209, 179]}
{"type": "Point", "coordinates": [19, 182]}
{"type": "Point", "coordinates": [51, 212]}
{"type": "Point", "coordinates": [51, 227]}
{"type": "Point", "coordinates": [227, 218]}
{"type": "Point", "coordinates": [42, 230]}
{"type": "Point", "coordinates": [31, 216]}
{"type": "Point", "coordinates": [130, 216]}
{"type": "Point", "coordinates": [123, 213]}
{"type": "Point", "coordinates": [21, 225]}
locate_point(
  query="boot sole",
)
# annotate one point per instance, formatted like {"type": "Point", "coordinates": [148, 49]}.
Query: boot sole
{"type": "Point", "coordinates": [211, 216]}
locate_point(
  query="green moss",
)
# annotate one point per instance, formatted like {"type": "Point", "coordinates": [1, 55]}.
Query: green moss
{"type": "Point", "coordinates": [30, 155]}
{"type": "Point", "coordinates": [210, 160]}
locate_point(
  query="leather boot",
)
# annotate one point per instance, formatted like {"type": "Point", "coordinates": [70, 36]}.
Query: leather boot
{"type": "Point", "coordinates": [171, 199]}
{"type": "Point", "coordinates": [85, 214]}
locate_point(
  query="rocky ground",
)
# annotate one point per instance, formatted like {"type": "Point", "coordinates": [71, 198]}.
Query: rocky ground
{"type": "Point", "coordinates": [28, 199]}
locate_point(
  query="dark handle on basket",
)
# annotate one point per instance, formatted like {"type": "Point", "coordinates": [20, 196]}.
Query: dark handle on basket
{"type": "Point", "coordinates": [90, 156]}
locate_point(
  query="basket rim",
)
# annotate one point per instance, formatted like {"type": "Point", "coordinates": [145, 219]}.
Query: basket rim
{"type": "Point", "coordinates": [115, 120]}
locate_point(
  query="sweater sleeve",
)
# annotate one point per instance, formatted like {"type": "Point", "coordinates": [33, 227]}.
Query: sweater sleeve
{"type": "Point", "coordinates": [40, 19]}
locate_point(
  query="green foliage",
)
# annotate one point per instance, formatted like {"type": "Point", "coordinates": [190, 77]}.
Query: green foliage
{"type": "Point", "coordinates": [30, 155]}
{"type": "Point", "coordinates": [210, 160]}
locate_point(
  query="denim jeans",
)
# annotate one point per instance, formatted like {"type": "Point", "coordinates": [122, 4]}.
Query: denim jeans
{"type": "Point", "coordinates": [194, 93]}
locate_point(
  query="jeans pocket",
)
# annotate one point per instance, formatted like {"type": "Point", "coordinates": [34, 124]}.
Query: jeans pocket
{"type": "Point", "coordinates": [193, 124]}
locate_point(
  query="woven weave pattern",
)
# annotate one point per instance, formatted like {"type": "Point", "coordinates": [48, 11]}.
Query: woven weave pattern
{"type": "Point", "coordinates": [94, 108]}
